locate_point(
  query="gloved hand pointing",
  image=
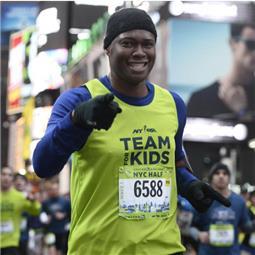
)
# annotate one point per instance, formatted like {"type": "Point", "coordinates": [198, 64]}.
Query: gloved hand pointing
{"type": "Point", "coordinates": [98, 112]}
{"type": "Point", "coordinates": [201, 196]}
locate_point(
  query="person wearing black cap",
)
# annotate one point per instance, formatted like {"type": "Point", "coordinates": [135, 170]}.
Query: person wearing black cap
{"type": "Point", "coordinates": [125, 134]}
{"type": "Point", "coordinates": [217, 229]}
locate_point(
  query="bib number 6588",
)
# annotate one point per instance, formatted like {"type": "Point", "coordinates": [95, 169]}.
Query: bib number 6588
{"type": "Point", "coordinates": [147, 188]}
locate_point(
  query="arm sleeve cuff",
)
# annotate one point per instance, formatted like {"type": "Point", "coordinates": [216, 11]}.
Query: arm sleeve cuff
{"type": "Point", "coordinates": [184, 177]}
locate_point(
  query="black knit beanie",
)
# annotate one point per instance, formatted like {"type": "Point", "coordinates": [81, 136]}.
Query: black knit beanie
{"type": "Point", "coordinates": [215, 168]}
{"type": "Point", "coordinates": [125, 20]}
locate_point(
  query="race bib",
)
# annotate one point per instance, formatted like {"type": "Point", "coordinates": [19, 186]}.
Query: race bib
{"type": "Point", "coordinates": [221, 235]}
{"type": "Point", "coordinates": [252, 240]}
{"type": "Point", "coordinates": [23, 225]}
{"type": "Point", "coordinates": [144, 192]}
{"type": "Point", "coordinates": [6, 227]}
{"type": "Point", "coordinates": [50, 239]}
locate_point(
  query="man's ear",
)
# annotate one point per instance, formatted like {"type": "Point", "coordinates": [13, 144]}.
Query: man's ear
{"type": "Point", "coordinates": [232, 44]}
{"type": "Point", "coordinates": [107, 51]}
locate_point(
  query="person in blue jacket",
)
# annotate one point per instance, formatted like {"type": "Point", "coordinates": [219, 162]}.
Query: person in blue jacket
{"type": "Point", "coordinates": [217, 229]}
{"type": "Point", "coordinates": [125, 137]}
{"type": "Point", "coordinates": [184, 220]}
{"type": "Point", "coordinates": [56, 211]}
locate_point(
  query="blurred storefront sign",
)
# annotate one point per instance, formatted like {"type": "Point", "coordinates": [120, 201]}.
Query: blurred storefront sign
{"type": "Point", "coordinates": [207, 141]}
{"type": "Point", "coordinates": [47, 21]}
{"type": "Point", "coordinates": [82, 47]}
{"type": "Point", "coordinates": [15, 78]}
{"type": "Point", "coordinates": [40, 119]}
{"type": "Point", "coordinates": [16, 16]}
{"type": "Point", "coordinates": [216, 11]}
{"type": "Point", "coordinates": [30, 72]}
{"type": "Point", "coordinates": [45, 70]}
{"type": "Point", "coordinates": [27, 115]}
{"type": "Point", "coordinates": [57, 21]}
{"type": "Point", "coordinates": [212, 130]}
{"type": "Point", "coordinates": [18, 82]}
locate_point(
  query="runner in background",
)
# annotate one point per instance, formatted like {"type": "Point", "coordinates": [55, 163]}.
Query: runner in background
{"type": "Point", "coordinates": [55, 216]}
{"type": "Point", "coordinates": [217, 229]}
{"type": "Point", "coordinates": [21, 184]}
{"type": "Point", "coordinates": [12, 205]}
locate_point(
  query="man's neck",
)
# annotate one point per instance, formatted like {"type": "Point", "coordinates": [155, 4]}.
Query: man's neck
{"type": "Point", "coordinates": [135, 90]}
{"type": "Point", "coordinates": [224, 192]}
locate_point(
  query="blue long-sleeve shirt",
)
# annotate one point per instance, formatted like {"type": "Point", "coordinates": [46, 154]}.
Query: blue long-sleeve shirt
{"type": "Point", "coordinates": [62, 137]}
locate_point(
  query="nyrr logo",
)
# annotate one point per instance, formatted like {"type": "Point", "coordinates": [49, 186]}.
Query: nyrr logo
{"type": "Point", "coordinates": [144, 130]}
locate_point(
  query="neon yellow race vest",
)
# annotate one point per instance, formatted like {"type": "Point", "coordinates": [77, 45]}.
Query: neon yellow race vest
{"type": "Point", "coordinates": [12, 204]}
{"type": "Point", "coordinates": [123, 184]}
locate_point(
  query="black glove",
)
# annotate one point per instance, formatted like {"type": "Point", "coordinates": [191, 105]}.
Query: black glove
{"type": "Point", "coordinates": [98, 112]}
{"type": "Point", "coordinates": [201, 196]}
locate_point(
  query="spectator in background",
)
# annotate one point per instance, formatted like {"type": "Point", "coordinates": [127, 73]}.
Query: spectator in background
{"type": "Point", "coordinates": [21, 184]}
{"type": "Point", "coordinates": [55, 215]}
{"type": "Point", "coordinates": [12, 205]}
{"type": "Point", "coordinates": [217, 230]}
{"type": "Point", "coordinates": [248, 243]}
{"type": "Point", "coordinates": [234, 94]}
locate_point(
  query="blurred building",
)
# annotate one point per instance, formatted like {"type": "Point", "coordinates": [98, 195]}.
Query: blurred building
{"type": "Point", "coordinates": [32, 59]}
{"type": "Point", "coordinates": [198, 53]}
